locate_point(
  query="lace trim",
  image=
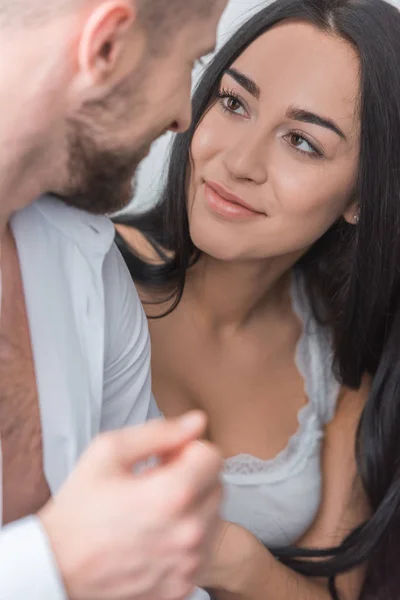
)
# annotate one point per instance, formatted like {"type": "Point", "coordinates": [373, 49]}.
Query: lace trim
{"type": "Point", "coordinates": [293, 454]}
{"type": "Point", "coordinates": [314, 358]}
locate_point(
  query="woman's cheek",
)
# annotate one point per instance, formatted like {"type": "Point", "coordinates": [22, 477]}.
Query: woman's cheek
{"type": "Point", "coordinates": [207, 139]}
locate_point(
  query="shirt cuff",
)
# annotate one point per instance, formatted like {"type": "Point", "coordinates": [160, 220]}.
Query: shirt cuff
{"type": "Point", "coordinates": [199, 594]}
{"type": "Point", "coordinates": [27, 565]}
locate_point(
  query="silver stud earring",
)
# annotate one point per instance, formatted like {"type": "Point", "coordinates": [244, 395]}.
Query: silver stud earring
{"type": "Point", "coordinates": [356, 218]}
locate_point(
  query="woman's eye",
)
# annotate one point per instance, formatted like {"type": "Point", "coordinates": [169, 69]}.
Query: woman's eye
{"type": "Point", "coordinates": [301, 144]}
{"type": "Point", "coordinates": [233, 105]}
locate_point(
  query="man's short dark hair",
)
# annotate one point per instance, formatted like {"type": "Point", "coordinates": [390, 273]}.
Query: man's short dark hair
{"type": "Point", "coordinates": [166, 14]}
{"type": "Point", "coordinates": [160, 15]}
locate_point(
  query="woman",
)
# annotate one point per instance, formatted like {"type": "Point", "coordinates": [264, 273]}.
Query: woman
{"type": "Point", "coordinates": [271, 260]}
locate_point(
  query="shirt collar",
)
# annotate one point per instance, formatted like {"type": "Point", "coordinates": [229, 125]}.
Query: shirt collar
{"type": "Point", "coordinates": [92, 233]}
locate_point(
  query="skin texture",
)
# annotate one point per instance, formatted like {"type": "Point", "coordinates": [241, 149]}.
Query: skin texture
{"type": "Point", "coordinates": [235, 332]}
{"type": "Point", "coordinates": [86, 96]}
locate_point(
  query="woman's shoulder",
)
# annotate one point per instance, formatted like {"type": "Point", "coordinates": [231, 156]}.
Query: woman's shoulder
{"type": "Point", "coordinates": [135, 241]}
{"type": "Point", "coordinates": [351, 402]}
{"type": "Point", "coordinates": [137, 248]}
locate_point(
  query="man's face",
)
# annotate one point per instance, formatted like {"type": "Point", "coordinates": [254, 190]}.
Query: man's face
{"type": "Point", "coordinates": [107, 139]}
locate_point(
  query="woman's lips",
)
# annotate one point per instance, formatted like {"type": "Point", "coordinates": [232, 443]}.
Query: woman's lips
{"type": "Point", "coordinates": [226, 204]}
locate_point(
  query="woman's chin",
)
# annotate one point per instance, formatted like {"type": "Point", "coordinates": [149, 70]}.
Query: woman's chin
{"type": "Point", "coordinates": [214, 248]}
{"type": "Point", "coordinates": [218, 240]}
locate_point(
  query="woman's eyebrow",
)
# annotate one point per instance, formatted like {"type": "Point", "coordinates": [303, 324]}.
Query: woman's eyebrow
{"type": "Point", "coordinates": [246, 82]}
{"type": "Point", "coordinates": [305, 116]}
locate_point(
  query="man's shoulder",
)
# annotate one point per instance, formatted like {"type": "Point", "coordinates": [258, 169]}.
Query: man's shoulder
{"type": "Point", "coordinates": [58, 221]}
{"type": "Point", "coordinates": [76, 249]}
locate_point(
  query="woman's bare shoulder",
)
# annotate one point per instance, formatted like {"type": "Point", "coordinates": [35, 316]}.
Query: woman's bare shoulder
{"type": "Point", "coordinates": [138, 243]}
{"type": "Point", "coordinates": [351, 404]}
{"type": "Point", "coordinates": [153, 301]}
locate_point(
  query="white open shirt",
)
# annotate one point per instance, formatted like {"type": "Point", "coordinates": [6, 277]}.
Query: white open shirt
{"type": "Point", "coordinates": [91, 350]}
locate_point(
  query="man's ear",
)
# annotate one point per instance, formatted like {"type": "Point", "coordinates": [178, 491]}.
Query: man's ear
{"type": "Point", "coordinates": [352, 213]}
{"type": "Point", "coordinates": [111, 44]}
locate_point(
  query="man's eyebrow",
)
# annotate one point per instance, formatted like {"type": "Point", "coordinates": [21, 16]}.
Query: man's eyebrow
{"type": "Point", "coordinates": [305, 116]}
{"type": "Point", "coordinates": [245, 81]}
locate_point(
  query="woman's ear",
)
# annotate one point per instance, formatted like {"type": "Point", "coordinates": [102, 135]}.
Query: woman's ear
{"type": "Point", "coordinates": [352, 213]}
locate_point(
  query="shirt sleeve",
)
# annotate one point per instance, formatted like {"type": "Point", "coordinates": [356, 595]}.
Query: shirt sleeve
{"type": "Point", "coordinates": [27, 565]}
{"type": "Point", "coordinates": [127, 395]}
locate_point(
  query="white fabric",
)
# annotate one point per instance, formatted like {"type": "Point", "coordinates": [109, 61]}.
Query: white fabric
{"type": "Point", "coordinates": [92, 359]}
{"type": "Point", "coordinates": [277, 500]}
{"type": "Point", "coordinates": [27, 568]}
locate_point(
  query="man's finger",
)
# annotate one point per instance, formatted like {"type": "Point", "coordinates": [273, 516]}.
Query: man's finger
{"type": "Point", "coordinates": [125, 448]}
{"type": "Point", "coordinates": [198, 465]}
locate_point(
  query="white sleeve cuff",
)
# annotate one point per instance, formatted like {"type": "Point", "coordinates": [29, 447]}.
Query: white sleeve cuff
{"type": "Point", "coordinates": [199, 594]}
{"type": "Point", "coordinates": [27, 565]}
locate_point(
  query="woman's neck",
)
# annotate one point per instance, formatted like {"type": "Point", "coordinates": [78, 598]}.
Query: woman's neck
{"type": "Point", "coordinates": [233, 294]}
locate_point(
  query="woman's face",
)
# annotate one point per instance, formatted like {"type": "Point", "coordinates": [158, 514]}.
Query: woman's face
{"type": "Point", "coordinates": [275, 159]}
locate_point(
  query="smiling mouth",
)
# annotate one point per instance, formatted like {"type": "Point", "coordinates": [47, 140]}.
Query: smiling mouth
{"type": "Point", "coordinates": [226, 204]}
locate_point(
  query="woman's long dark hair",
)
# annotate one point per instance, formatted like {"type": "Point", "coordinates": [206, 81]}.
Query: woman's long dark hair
{"type": "Point", "coordinates": [352, 273]}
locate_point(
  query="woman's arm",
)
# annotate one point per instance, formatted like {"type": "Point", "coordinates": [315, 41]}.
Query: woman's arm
{"type": "Point", "coordinates": [244, 570]}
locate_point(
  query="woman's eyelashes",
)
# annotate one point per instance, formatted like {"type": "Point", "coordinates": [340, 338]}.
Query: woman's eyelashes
{"type": "Point", "coordinates": [300, 142]}
{"type": "Point", "coordinates": [231, 103]}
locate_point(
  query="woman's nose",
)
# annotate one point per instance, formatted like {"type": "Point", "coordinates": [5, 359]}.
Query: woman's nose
{"type": "Point", "coordinates": [247, 159]}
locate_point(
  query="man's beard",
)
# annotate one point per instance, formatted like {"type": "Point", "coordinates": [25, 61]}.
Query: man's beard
{"type": "Point", "coordinates": [100, 181]}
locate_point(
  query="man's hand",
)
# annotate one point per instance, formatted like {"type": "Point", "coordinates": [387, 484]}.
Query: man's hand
{"type": "Point", "coordinates": [119, 535]}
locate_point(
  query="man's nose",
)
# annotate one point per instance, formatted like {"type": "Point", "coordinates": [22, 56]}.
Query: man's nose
{"type": "Point", "coordinates": [183, 121]}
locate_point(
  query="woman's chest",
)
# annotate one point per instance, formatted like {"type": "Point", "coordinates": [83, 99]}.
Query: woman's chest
{"type": "Point", "coordinates": [251, 390]}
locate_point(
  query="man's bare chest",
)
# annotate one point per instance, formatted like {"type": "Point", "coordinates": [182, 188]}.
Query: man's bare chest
{"type": "Point", "coordinates": [24, 486]}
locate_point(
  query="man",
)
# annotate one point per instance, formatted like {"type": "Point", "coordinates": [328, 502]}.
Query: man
{"type": "Point", "coordinates": [87, 85]}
